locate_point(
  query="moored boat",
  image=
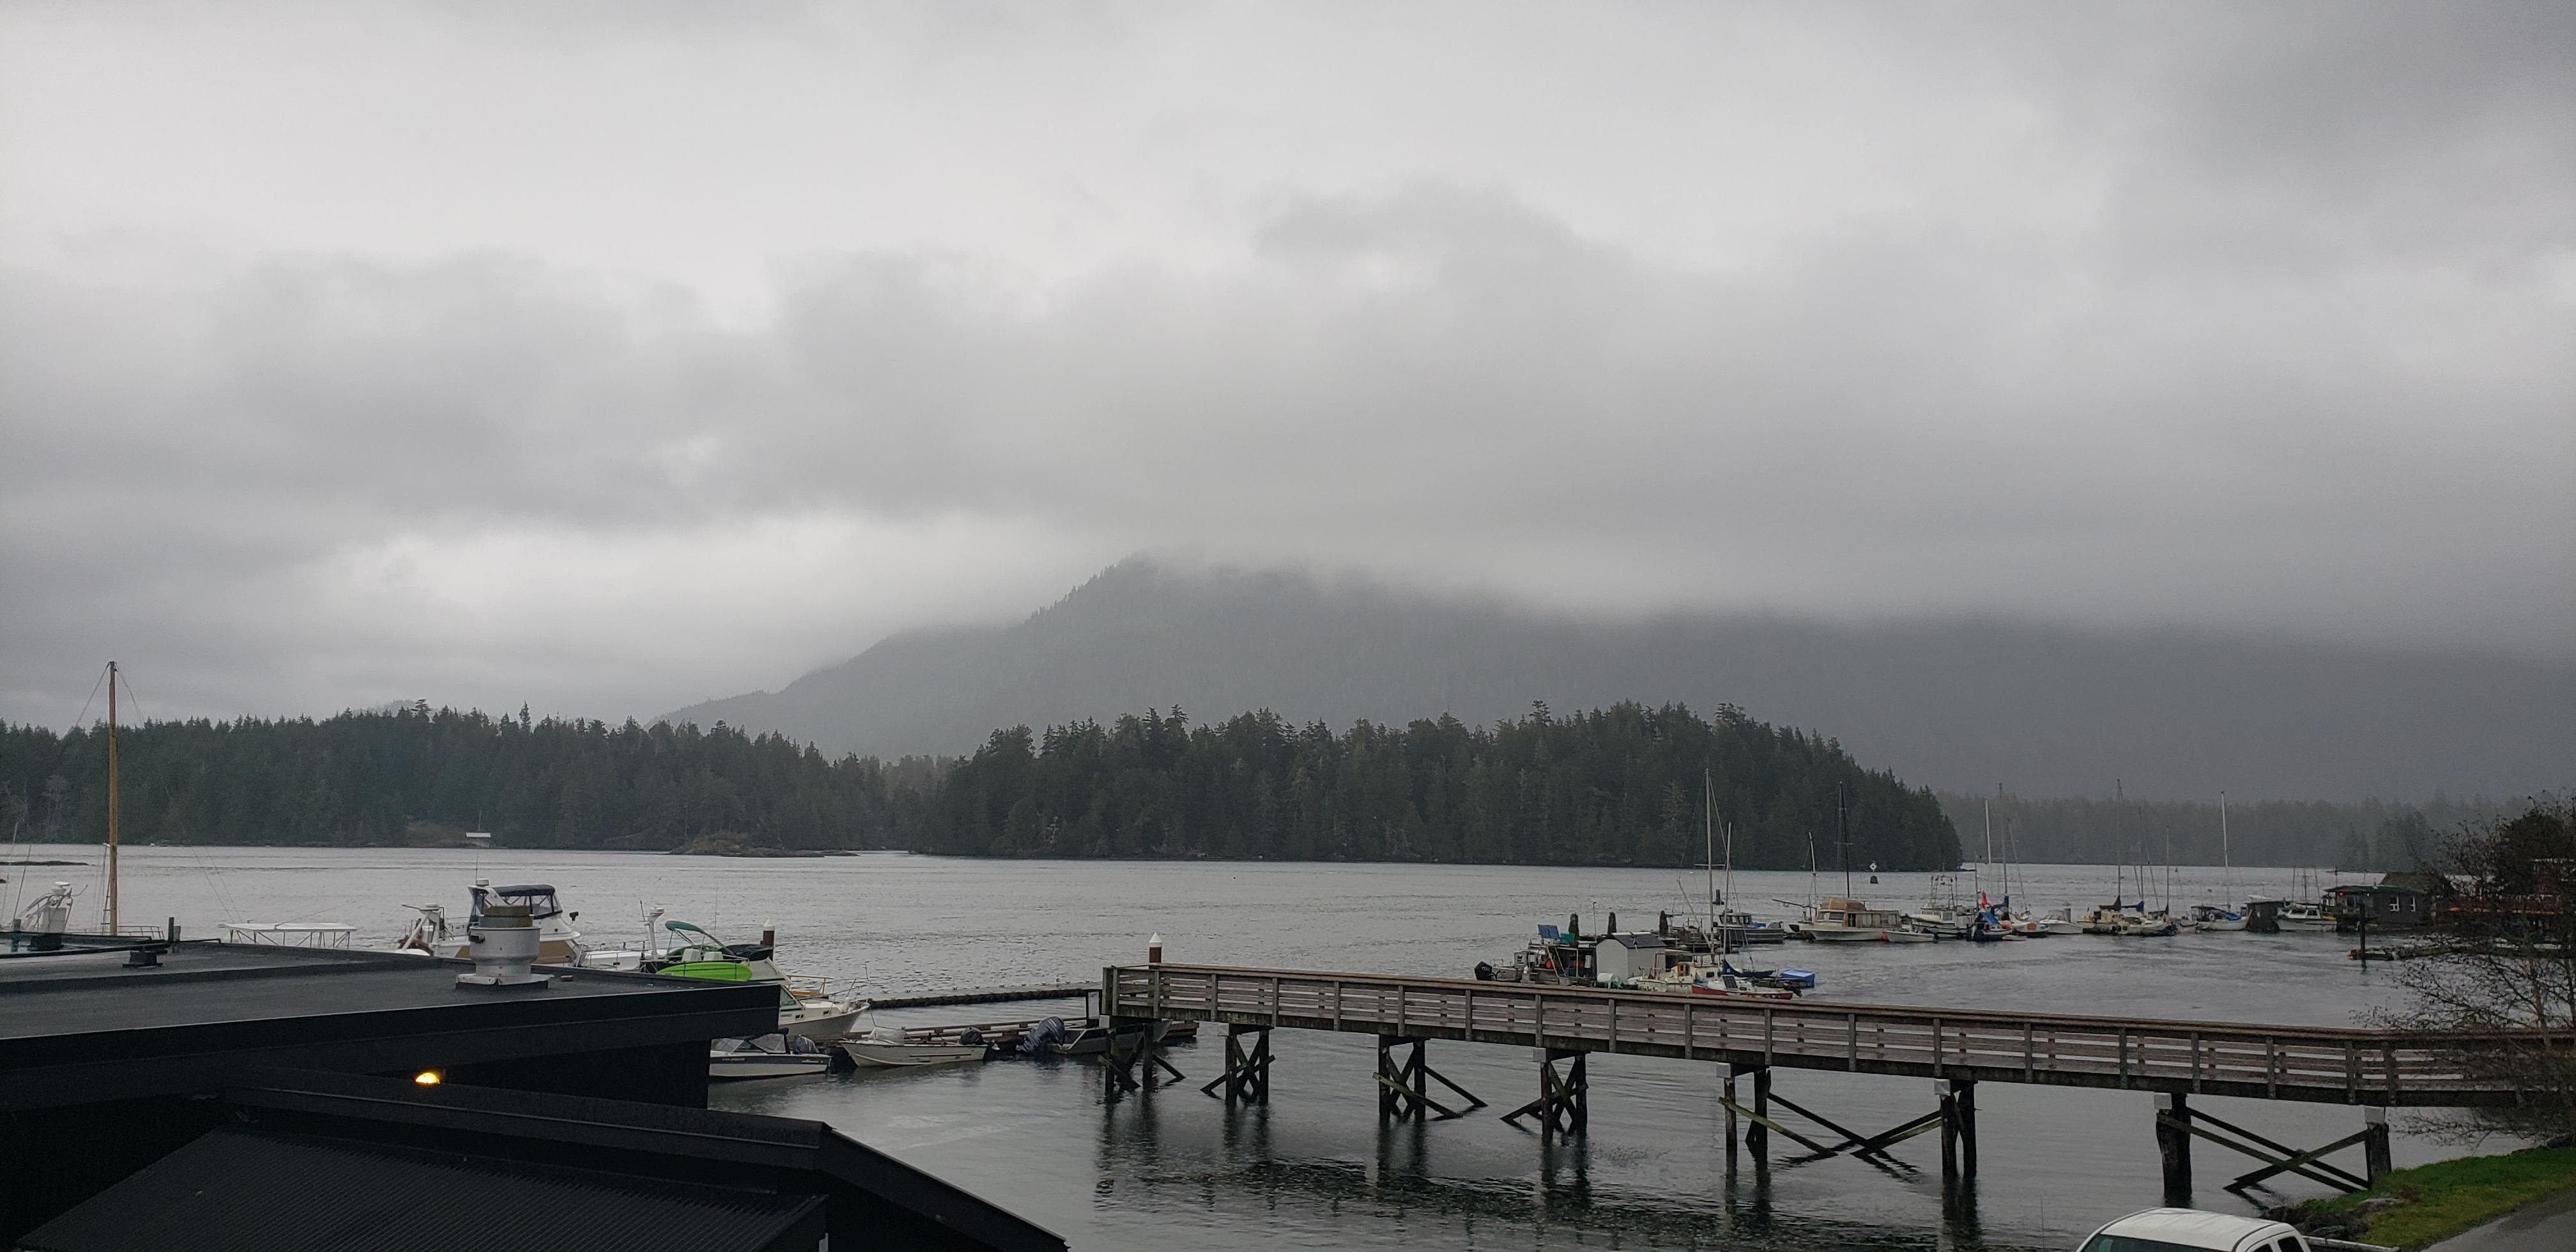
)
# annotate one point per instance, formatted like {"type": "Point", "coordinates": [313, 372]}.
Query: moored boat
{"type": "Point", "coordinates": [769, 1056]}
{"type": "Point", "coordinates": [889, 1048]}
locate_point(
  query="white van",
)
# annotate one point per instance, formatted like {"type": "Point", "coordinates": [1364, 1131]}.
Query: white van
{"type": "Point", "coordinates": [2190, 1230]}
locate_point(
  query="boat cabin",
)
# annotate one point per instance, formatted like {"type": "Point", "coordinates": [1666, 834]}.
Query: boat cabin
{"type": "Point", "coordinates": [538, 897]}
{"type": "Point", "coordinates": [1858, 915]}
{"type": "Point", "coordinates": [1620, 958]}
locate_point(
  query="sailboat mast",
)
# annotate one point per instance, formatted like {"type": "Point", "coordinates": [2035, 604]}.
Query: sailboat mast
{"type": "Point", "coordinates": [1842, 832]}
{"type": "Point", "coordinates": [1708, 817]}
{"type": "Point", "coordinates": [2226, 863]}
{"type": "Point", "coordinates": [1990, 845]}
{"type": "Point", "coordinates": [111, 798]}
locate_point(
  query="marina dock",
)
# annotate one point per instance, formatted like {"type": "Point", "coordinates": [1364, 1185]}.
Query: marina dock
{"type": "Point", "coordinates": [1959, 1048]}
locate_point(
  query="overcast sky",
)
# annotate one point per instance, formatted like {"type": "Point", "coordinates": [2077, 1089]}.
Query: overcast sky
{"type": "Point", "coordinates": [613, 357]}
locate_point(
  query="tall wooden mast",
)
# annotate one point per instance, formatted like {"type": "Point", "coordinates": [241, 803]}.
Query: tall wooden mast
{"type": "Point", "coordinates": [111, 798]}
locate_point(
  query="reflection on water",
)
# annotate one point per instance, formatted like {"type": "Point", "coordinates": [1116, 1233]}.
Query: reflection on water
{"type": "Point", "coordinates": [1315, 1167]}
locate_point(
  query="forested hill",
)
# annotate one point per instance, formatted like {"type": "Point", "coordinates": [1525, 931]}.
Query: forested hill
{"type": "Point", "coordinates": [1614, 786]}
{"type": "Point", "coordinates": [1620, 786]}
{"type": "Point", "coordinates": [366, 778]}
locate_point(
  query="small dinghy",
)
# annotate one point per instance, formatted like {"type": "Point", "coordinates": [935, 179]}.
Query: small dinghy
{"type": "Point", "coordinates": [888, 1048]}
{"type": "Point", "coordinates": [769, 1056]}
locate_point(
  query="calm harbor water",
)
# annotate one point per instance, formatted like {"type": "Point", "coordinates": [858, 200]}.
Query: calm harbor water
{"type": "Point", "coordinates": [1315, 1168]}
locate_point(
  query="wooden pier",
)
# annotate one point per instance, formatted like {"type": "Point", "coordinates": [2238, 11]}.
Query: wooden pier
{"type": "Point", "coordinates": [1957, 1047]}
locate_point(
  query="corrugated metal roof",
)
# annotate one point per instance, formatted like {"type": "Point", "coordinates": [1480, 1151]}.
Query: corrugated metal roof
{"type": "Point", "coordinates": [261, 1192]}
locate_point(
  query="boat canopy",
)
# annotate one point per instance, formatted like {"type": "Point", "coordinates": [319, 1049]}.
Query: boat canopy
{"type": "Point", "coordinates": [539, 898]}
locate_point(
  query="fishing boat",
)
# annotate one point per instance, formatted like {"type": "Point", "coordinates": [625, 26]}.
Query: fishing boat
{"type": "Point", "coordinates": [769, 1056]}
{"type": "Point", "coordinates": [1841, 920]}
{"type": "Point", "coordinates": [806, 1006]}
{"type": "Point", "coordinates": [889, 1048]}
{"type": "Point", "coordinates": [1736, 986]}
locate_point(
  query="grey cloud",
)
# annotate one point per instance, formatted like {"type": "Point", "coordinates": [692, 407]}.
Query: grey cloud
{"type": "Point", "coordinates": [2293, 357]}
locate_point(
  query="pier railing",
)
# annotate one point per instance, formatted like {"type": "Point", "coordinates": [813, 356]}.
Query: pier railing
{"type": "Point", "coordinates": [2323, 1064]}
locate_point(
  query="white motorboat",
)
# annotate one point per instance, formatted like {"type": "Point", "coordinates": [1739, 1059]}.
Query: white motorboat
{"type": "Point", "coordinates": [558, 943]}
{"type": "Point", "coordinates": [769, 1056]}
{"type": "Point", "coordinates": [888, 1048]}
{"type": "Point", "coordinates": [2304, 917]}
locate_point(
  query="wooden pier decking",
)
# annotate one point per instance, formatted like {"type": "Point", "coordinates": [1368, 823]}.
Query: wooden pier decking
{"type": "Point", "coordinates": [2303, 1063]}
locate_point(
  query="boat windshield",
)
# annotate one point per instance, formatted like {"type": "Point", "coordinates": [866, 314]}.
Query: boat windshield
{"type": "Point", "coordinates": [539, 898]}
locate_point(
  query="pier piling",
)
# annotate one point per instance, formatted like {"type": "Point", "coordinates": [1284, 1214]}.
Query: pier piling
{"type": "Point", "coordinates": [2173, 1144]}
{"type": "Point", "coordinates": [1247, 1070]}
{"type": "Point", "coordinates": [1562, 1106]}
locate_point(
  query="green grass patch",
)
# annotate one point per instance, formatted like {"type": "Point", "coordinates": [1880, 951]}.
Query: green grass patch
{"type": "Point", "coordinates": [2447, 1197]}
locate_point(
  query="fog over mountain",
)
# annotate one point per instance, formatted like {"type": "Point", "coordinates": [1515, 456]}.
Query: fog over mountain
{"type": "Point", "coordinates": [604, 357]}
{"type": "Point", "coordinates": [1959, 703]}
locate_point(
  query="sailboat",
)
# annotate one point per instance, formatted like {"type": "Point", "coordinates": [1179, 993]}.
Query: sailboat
{"type": "Point", "coordinates": [1737, 925]}
{"type": "Point", "coordinates": [2226, 916]}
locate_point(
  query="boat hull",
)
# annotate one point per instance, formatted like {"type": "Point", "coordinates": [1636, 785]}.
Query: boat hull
{"type": "Point", "coordinates": [904, 1055]}
{"type": "Point", "coordinates": [739, 1067]}
{"type": "Point", "coordinates": [818, 1023]}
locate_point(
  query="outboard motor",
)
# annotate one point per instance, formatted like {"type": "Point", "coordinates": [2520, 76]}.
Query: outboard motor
{"type": "Point", "coordinates": [1484, 972]}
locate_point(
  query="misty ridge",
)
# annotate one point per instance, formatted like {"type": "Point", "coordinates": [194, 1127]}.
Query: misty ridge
{"type": "Point", "coordinates": [1955, 705]}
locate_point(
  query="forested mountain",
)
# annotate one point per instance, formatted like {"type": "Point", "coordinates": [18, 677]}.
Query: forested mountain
{"type": "Point", "coordinates": [365, 777]}
{"type": "Point", "coordinates": [1617, 786]}
{"type": "Point", "coordinates": [1959, 705]}
{"type": "Point", "coordinates": [1621, 786]}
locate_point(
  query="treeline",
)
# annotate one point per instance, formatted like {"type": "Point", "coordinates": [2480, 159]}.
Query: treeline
{"type": "Point", "coordinates": [1619, 786]}
{"type": "Point", "coordinates": [373, 777]}
{"type": "Point", "coordinates": [2372, 835]}
{"type": "Point", "coordinates": [1616, 786]}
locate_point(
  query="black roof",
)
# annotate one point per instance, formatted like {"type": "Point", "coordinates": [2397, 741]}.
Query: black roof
{"type": "Point", "coordinates": [877, 1200]}
{"type": "Point", "coordinates": [271, 1192]}
{"type": "Point", "coordinates": [532, 889]}
{"type": "Point", "coordinates": [76, 1027]}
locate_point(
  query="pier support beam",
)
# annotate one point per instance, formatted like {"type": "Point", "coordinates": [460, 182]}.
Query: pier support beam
{"type": "Point", "coordinates": [1729, 1102]}
{"type": "Point", "coordinates": [1132, 1057]}
{"type": "Point", "coordinates": [1955, 1117]}
{"type": "Point", "coordinates": [1757, 1136]}
{"type": "Point", "coordinates": [2173, 1145]}
{"type": "Point", "coordinates": [2177, 1123]}
{"type": "Point", "coordinates": [1247, 1070]}
{"type": "Point", "coordinates": [1561, 1106]}
{"type": "Point", "coordinates": [1404, 1086]}
{"type": "Point", "coordinates": [1959, 1128]}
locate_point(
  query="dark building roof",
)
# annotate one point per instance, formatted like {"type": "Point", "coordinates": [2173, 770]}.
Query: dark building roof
{"type": "Point", "coordinates": [258, 1191]}
{"type": "Point", "coordinates": [876, 1200]}
{"type": "Point", "coordinates": [82, 1026]}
